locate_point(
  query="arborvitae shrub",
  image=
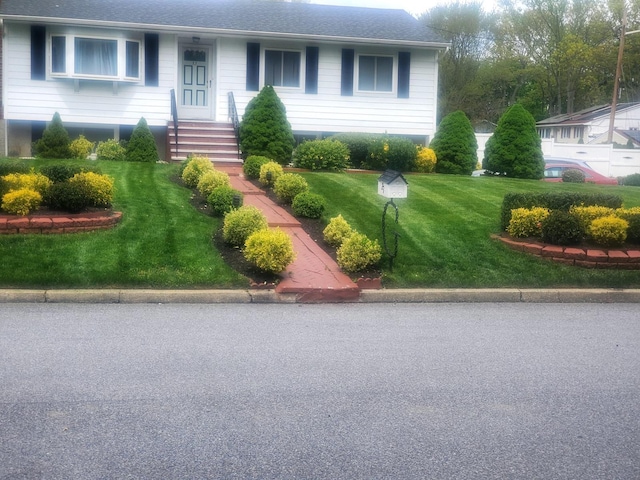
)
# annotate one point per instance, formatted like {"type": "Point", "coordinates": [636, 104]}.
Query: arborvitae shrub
{"type": "Point", "coordinates": [527, 222]}
{"type": "Point", "coordinates": [111, 150]}
{"type": "Point", "coordinates": [309, 205]}
{"type": "Point", "coordinates": [239, 224]}
{"type": "Point", "coordinates": [562, 228]}
{"type": "Point", "coordinates": [358, 253]}
{"type": "Point", "coordinates": [98, 188]}
{"type": "Point", "coordinates": [21, 202]}
{"type": "Point", "coordinates": [270, 250]}
{"type": "Point", "coordinates": [221, 200]}
{"type": "Point", "coordinates": [288, 185]}
{"type": "Point", "coordinates": [211, 180]}
{"type": "Point", "coordinates": [81, 148]}
{"type": "Point", "coordinates": [251, 166]}
{"type": "Point", "coordinates": [55, 141]}
{"type": "Point", "coordinates": [455, 145]}
{"type": "Point", "coordinates": [573, 175]}
{"type": "Point", "coordinates": [325, 154]}
{"type": "Point", "coordinates": [265, 130]}
{"type": "Point", "coordinates": [142, 145]}
{"type": "Point", "coordinates": [195, 168]}
{"type": "Point", "coordinates": [269, 173]}
{"type": "Point", "coordinates": [514, 148]}
{"type": "Point", "coordinates": [609, 231]}
{"type": "Point", "coordinates": [425, 160]}
{"type": "Point", "coordinates": [337, 231]}
{"type": "Point", "coordinates": [632, 180]}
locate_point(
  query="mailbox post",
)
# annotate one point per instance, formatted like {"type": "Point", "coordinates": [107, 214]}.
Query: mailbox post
{"type": "Point", "coordinates": [391, 184]}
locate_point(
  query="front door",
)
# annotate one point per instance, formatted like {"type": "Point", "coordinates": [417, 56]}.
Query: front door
{"type": "Point", "coordinates": [195, 82]}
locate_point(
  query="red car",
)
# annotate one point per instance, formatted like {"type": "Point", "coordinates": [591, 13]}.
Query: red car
{"type": "Point", "coordinates": [553, 173]}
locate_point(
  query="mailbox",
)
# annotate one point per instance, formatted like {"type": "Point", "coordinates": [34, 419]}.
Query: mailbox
{"type": "Point", "coordinates": [391, 184]}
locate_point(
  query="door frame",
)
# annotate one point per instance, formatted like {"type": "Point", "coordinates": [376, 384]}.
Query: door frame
{"type": "Point", "coordinates": [191, 112]}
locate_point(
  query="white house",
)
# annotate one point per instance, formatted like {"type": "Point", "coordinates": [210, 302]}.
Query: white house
{"type": "Point", "coordinates": [104, 64]}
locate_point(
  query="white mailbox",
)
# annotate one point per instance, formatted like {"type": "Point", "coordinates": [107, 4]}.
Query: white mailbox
{"type": "Point", "coordinates": [392, 184]}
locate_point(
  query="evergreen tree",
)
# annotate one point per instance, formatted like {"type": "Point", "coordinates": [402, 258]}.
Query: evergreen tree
{"type": "Point", "coordinates": [142, 145]}
{"type": "Point", "coordinates": [55, 141]}
{"type": "Point", "coordinates": [514, 148]}
{"type": "Point", "coordinates": [265, 130]}
{"type": "Point", "coordinates": [455, 145]}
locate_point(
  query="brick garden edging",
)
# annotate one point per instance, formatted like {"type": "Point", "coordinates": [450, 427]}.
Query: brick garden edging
{"type": "Point", "coordinates": [624, 259]}
{"type": "Point", "coordinates": [62, 223]}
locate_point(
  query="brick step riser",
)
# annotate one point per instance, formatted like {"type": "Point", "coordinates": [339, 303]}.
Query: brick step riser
{"type": "Point", "coordinates": [203, 141]}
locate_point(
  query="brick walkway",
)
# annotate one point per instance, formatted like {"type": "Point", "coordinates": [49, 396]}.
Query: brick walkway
{"type": "Point", "coordinates": [314, 276]}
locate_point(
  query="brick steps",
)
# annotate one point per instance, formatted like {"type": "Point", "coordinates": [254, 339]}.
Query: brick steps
{"type": "Point", "coordinates": [214, 140]}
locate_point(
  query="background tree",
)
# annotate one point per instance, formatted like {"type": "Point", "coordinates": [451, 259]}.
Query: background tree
{"type": "Point", "coordinates": [55, 140]}
{"type": "Point", "coordinates": [514, 148]}
{"type": "Point", "coordinates": [455, 145]}
{"type": "Point", "coordinates": [265, 130]}
{"type": "Point", "coordinates": [142, 145]}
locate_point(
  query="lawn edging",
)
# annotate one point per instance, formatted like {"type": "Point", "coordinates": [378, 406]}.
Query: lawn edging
{"type": "Point", "coordinates": [58, 223]}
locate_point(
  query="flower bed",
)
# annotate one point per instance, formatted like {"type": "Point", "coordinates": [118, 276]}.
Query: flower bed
{"type": "Point", "coordinates": [58, 223]}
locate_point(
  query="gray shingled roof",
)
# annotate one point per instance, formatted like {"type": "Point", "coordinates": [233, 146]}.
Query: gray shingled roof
{"type": "Point", "coordinates": [583, 117]}
{"type": "Point", "coordinates": [232, 15]}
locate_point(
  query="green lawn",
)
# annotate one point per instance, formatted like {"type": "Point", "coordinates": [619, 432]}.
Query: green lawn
{"type": "Point", "coordinates": [445, 226]}
{"type": "Point", "coordinates": [162, 242]}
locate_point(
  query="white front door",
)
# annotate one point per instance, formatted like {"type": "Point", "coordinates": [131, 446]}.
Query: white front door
{"type": "Point", "coordinates": [195, 100]}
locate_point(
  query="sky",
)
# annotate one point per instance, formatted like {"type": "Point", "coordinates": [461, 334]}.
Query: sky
{"type": "Point", "coordinates": [414, 7]}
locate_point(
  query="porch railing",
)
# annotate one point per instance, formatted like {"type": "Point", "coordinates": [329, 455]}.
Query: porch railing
{"type": "Point", "coordinates": [233, 116]}
{"type": "Point", "coordinates": [174, 115]}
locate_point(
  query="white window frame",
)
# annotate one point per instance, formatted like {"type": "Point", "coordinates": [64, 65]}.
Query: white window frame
{"type": "Point", "coordinates": [578, 132]}
{"type": "Point", "coordinates": [394, 74]}
{"type": "Point", "coordinates": [544, 132]}
{"type": "Point", "coordinates": [565, 132]}
{"type": "Point", "coordinates": [69, 59]}
{"type": "Point", "coordinates": [301, 67]}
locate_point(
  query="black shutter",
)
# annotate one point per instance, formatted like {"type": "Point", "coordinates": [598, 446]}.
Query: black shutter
{"type": "Point", "coordinates": [311, 73]}
{"type": "Point", "coordinates": [404, 74]}
{"type": "Point", "coordinates": [151, 59]}
{"type": "Point", "coordinates": [348, 56]}
{"type": "Point", "coordinates": [38, 52]}
{"type": "Point", "coordinates": [253, 67]}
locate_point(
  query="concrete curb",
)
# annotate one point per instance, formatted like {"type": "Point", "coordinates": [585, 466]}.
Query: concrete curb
{"type": "Point", "coordinates": [454, 295]}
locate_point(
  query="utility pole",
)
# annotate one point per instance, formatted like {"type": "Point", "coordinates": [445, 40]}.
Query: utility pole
{"type": "Point", "coordinates": [616, 82]}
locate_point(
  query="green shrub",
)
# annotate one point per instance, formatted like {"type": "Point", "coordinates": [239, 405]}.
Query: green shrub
{"type": "Point", "coordinates": [358, 253]}
{"type": "Point", "coordinates": [195, 168]}
{"type": "Point", "coordinates": [609, 231]}
{"type": "Point", "coordinates": [252, 164]}
{"type": "Point", "coordinates": [358, 145]}
{"type": "Point", "coordinates": [12, 167]}
{"type": "Point", "coordinates": [239, 224]}
{"type": "Point", "coordinates": [21, 202]}
{"type": "Point", "coordinates": [337, 231]}
{"type": "Point", "coordinates": [265, 130]}
{"type": "Point", "coordinates": [391, 153]}
{"type": "Point", "coordinates": [527, 222]}
{"type": "Point", "coordinates": [573, 175]}
{"type": "Point", "coordinates": [631, 215]}
{"type": "Point", "coordinates": [270, 250]}
{"type": "Point", "coordinates": [111, 150]}
{"type": "Point", "coordinates": [142, 145]}
{"type": "Point", "coordinates": [81, 148]}
{"type": "Point", "coordinates": [212, 179]}
{"type": "Point", "coordinates": [425, 160]}
{"type": "Point", "coordinates": [288, 185]}
{"type": "Point", "coordinates": [325, 154]}
{"type": "Point", "coordinates": [69, 197]}
{"type": "Point", "coordinates": [514, 148]}
{"type": "Point", "coordinates": [221, 200]}
{"type": "Point", "coordinates": [61, 172]}
{"type": "Point", "coordinates": [269, 173]}
{"type": "Point", "coordinates": [54, 142]}
{"type": "Point", "coordinates": [586, 215]}
{"type": "Point", "coordinates": [309, 205]}
{"type": "Point", "coordinates": [97, 188]}
{"type": "Point", "coordinates": [455, 145]}
{"type": "Point", "coordinates": [562, 228]}
{"type": "Point", "coordinates": [632, 180]}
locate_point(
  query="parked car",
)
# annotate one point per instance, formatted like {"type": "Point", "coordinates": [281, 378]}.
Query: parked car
{"type": "Point", "coordinates": [553, 173]}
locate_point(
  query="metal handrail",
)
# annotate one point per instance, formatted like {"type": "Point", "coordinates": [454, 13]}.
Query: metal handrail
{"type": "Point", "coordinates": [174, 114]}
{"type": "Point", "coordinates": [233, 116]}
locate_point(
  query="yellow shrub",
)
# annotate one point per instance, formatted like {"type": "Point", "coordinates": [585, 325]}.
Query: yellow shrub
{"type": "Point", "coordinates": [426, 160]}
{"type": "Point", "coordinates": [98, 188]}
{"type": "Point", "coordinates": [195, 168]}
{"type": "Point", "coordinates": [212, 179]}
{"type": "Point", "coordinates": [527, 222]}
{"type": "Point", "coordinates": [337, 231]}
{"type": "Point", "coordinates": [626, 213]}
{"type": "Point", "coordinates": [21, 202]}
{"type": "Point", "coordinates": [609, 231]}
{"type": "Point", "coordinates": [358, 253]}
{"type": "Point", "coordinates": [270, 250]}
{"type": "Point", "coordinates": [81, 147]}
{"type": "Point", "coordinates": [32, 181]}
{"type": "Point", "coordinates": [586, 215]}
{"type": "Point", "coordinates": [239, 224]}
{"type": "Point", "coordinates": [269, 173]}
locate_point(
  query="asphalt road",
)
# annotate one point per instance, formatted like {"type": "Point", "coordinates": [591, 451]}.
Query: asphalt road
{"type": "Point", "coordinates": [437, 391]}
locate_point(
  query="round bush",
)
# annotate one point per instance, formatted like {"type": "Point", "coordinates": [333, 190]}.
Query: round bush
{"type": "Point", "coordinates": [321, 155]}
{"type": "Point", "coordinates": [81, 147]}
{"type": "Point", "coordinates": [586, 215]}
{"type": "Point", "coordinates": [573, 175]}
{"type": "Point", "coordinates": [110, 150]}
{"type": "Point", "coordinates": [609, 231]}
{"type": "Point", "coordinates": [527, 222]}
{"type": "Point", "coordinates": [631, 215]}
{"type": "Point", "coordinates": [60, 172]}
{"type": "Point", "coordinates": [251, 166]}
{"type": "Point", "coordinates": [358, 145]}
{"type": "Point", "coordinates": [72, 197]}
{"type": "Point", "coordinates": [21, 202]}
{"type": "Point", "coordinates": [98, 188]}
{"type": "Point", "coordinates": [221, 200]}
{"type": "Point", "coordinates": [393, 153]}
{"type": "Point", "coordinates": [288, 185]}
{"type": "Point", "coordinates": [211, 180]}
{"type": "Point", "coordinates": [309, 205]}
{"type": "Point", "coordinates": [270, 250]}
{"type": "Point", "coordinates": [632, 180]}
{"type": "Point", "coordinates": [358, 253]}
{"type": "Point", "coordinates": [562, 228]}
{"type": "Point", "coordinates": [337, 231]}
{"type": "Point", "coordinates": [194, 169]}
{"type": "Point", "coordinates": [269, 173]}
{"type": "Point", "coordinates": [425, 160]}
{"type": "Point", "coordinates": [31, 181]}
{"type": "Point", "coordinates": [239, 224]}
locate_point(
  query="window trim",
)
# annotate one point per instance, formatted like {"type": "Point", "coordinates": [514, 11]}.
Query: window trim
{"type": "Point", "coordinates": [301, 67]}
{"type": "Point", "coordinates": [394, 74]}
